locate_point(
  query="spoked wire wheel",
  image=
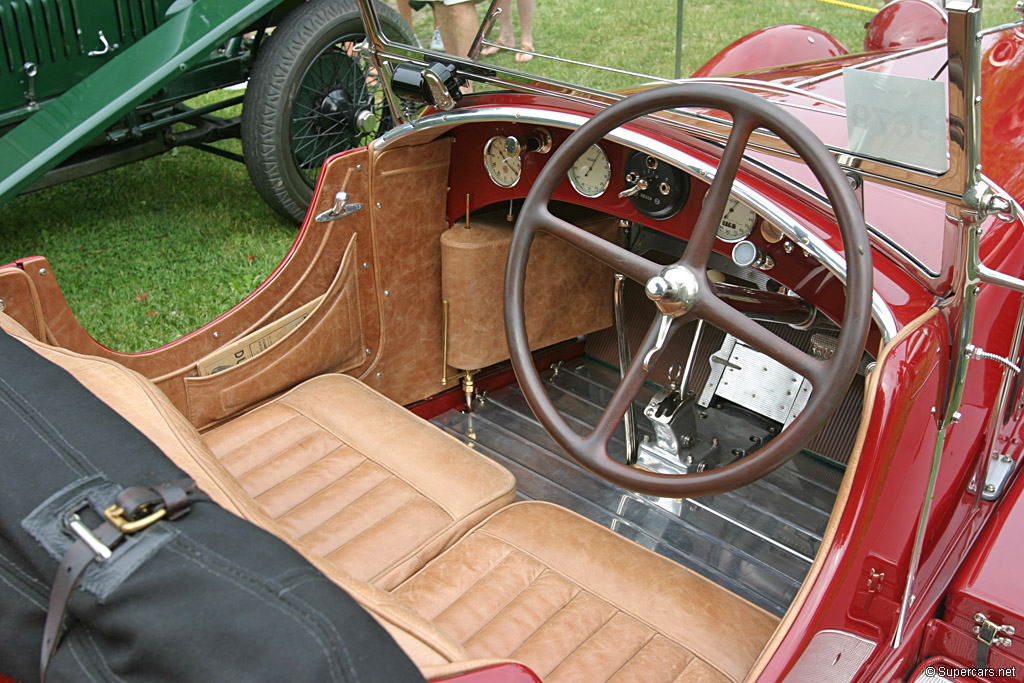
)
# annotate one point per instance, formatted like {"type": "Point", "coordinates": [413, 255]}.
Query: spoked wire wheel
{"type": "Point", "coordinates": [311, 95]}
{"type": "Point", "coordinates": [339, 105]}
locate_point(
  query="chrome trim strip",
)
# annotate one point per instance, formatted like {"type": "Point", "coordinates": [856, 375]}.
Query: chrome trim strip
{"type": "Point", "coordinates": [802, 237]}
{"type": "Point", "coordinates": [871, 62]}
{"type": "Point", "coordinates": [769, 86]}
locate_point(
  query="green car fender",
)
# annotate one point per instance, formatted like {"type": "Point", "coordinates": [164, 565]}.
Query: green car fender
{"type": "Point", "coordinates": [190, 30]}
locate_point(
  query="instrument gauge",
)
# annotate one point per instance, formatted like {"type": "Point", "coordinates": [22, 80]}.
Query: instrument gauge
{"type": "Point", "coordinates": [591, 173]}
{"type": "Point", "coordinates": [503, 161]}
{"type": "Point", "coordinates": [737, 222]}
{"type": "Point", "coordinates": [655, 189]}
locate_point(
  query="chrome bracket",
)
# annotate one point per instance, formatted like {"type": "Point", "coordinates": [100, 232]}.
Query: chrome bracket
{"type": "Point", "coordinates": [339, 210]}
{"type": "Point", "coordinates": [31, 70]}
{"type": "Point", "coordinates": [107, 47]}
{"type": "Point", "coordinates": [664, 324]}
{"type": "Point", "coordinates": [987, 200]}
{"type": "Point", "coordinates": [997, 475]}
{"type": "Point", "coordinates": [988, 633]}
{"type": "Point", "coordinates": [85, 534]}
{"type": "Point", "coordinates": [973, 352]}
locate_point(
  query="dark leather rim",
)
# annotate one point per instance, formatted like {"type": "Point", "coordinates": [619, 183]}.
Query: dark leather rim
{"type": "Point", "coordinates": [830, 379]}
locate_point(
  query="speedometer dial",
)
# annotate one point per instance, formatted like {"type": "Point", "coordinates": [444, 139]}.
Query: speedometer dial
{"type": "Point", "coordinates": [502, 160]}
{"type": "Point", "coordinates": [737, 222]}
{"type": "Point", "coordinates": [591, 173]}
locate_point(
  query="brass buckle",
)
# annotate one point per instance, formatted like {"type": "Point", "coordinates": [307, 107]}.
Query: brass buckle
{"type": "Point", "coordinates": [115, 515]}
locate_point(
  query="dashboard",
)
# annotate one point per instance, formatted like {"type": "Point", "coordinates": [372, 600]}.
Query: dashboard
{"type": "Point", "coordinates": [497, 163]}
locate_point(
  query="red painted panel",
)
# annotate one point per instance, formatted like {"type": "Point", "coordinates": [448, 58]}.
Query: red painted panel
{"type": "Point", "coordinates": [989, 581]}
{"type": "Point", "coordinates": [905, 23]}
{"type": "Point", "coordinates": [946, 646]}
{"type": "Point", "coordinates": [773, 46]}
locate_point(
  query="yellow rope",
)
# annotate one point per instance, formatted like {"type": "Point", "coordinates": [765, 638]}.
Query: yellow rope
{"type": "Point", "coordinates": [850, 5]}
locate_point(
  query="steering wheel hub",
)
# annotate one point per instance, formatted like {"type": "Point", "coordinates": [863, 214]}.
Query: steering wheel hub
{"type": "Point", "coordinates": [674, 290]}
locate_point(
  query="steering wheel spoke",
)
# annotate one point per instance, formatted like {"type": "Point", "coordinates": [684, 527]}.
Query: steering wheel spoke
{"type": "Point", "coordinates": [620, 260]}
{"type": "Point", "coordinates": [698, 249]}
{"type": "Point", "coordinates": [682, 291]}
{"type": "Point", "coordinates": [725, 317]}
{"type": "Point", "coordinates": [659, 333]}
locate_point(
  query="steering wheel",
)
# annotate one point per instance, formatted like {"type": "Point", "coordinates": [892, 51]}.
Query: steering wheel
{"type": "Point", "coordinates": [683, 292]}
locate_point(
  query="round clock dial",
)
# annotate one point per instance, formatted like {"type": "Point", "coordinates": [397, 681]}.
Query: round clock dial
{"type": "Point", "coordinates": [591, 173]}
{"type": "Point", "coordinates": [502, 160]}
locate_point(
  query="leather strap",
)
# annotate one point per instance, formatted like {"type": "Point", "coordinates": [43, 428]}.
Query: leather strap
{"type": "Point", "coordinates": [76, 559]}
{"type": "Point", "coordinates": [135, 501]}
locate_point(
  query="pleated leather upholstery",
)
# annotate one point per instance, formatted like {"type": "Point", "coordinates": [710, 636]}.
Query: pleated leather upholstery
{"type": "Point", "coordinates": [356, 479]}
{"type": "Point", "coordinates": [342, 467]}
{"type": "Point", "coordinates": [576, 602]}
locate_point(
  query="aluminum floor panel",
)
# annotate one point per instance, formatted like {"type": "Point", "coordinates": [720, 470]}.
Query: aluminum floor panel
{"type": "Point", "coordinates": [758, 541]}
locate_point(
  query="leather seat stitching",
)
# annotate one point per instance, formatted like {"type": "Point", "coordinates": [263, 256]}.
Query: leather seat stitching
{"type": "Point", "coordinates": [690, 664]}
{"type": "Point", "coordinates": [508, 602]}
{"type": "Point", "coordinates": [650, 638]}
{"type": "Point", "coordinates": [323, 488]}
{"type": "Point", "coordinates": [584, 641]}
{"type": "Point", "coordinates": [492, 466]}
{"type": "Point", "coordinates": [598, 595]}
{"type": "Point", "coordinates": [470, 586]}
{"type": "Point", "coordinates": [273, 456]}
{"type": "Point", "coordinates": [373, 526]}
{"type": "Point", "coordinates": [351, 503]}
{"type": "Point", "coordinates": [450, 513]}
{"type": "Point", "coordinates": [547, 621]}
{"type": "Point", "coordinates": [254, 429]}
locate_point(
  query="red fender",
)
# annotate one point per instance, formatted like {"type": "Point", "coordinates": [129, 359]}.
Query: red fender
{"type": "Point", "coordinates": [773, 46]}
{"type": "Point", "coordinates": [905, 23]}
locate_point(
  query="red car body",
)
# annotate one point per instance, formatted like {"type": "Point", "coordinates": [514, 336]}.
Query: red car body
{"type": "Point", "coordinates": [919, 564]}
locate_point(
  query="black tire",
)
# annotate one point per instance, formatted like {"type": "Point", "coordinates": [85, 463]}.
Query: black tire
{"type": "Point", "coordinates": [309, 98]}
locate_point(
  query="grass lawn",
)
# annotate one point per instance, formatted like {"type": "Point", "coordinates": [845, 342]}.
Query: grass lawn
{"type": "Point", "coordinates": [150, 251]}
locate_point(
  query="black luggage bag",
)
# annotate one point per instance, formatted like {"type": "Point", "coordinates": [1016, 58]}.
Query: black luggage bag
{"type": "Point", "coordinates": [195, 594]}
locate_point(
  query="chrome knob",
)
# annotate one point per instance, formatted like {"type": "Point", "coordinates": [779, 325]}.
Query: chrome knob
{"type": "Point", "coordinates": [658, 288]}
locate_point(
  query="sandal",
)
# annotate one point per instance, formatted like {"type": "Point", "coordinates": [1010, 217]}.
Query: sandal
{"type": "Point", "coordinates": [525, 55]}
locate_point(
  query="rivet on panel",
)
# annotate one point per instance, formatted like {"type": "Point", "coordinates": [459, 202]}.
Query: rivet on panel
{"type": "Point", "coordinates": [359, 167]}
{"type": "Point", "coordinates": [379, 205]}
{"type": "Point", "coordinates": [387, 292]}
{"type": "Point", "coordinates": [368, 352]}
{"type": "Point", "coordinates": [366, 265]}
{"type": "Point", "coordinates": [379, 375]}
{"type": "Point", "coordinates": [216, 335]}
{"type": "Point", "coordinates": [42, 271]}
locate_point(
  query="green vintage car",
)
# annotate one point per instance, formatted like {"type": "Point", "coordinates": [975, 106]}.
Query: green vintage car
{"type": "Point", "coordinates": [87, 86]}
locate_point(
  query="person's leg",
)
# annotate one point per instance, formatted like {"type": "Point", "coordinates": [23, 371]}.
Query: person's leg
{"type": "Point", "coordinates": [436, 40]}
{"type": "Point", "coordinates": [506, 37]}
{"type": "Point", "coordinates": [443, 22]}
{"type": "Point", "coordinates": [405, 11]}
{"type": "Point", "coordinates": [465, 22]}
{"type": "Point", "coordinates": [525, 29]}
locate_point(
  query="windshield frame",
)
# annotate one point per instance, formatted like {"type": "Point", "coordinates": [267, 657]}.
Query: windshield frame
{"type": "Point", "coordinates": [963, 54]}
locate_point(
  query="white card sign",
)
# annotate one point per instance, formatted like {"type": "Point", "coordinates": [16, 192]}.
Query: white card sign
{"type": "Point", "coordinates": [896, 118]}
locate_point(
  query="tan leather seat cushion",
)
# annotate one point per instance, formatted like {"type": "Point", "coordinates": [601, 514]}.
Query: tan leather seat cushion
{"type": "Point", "coordinates": [357, 479]}
{"type": "Point", "coordinates": [576, 602]}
